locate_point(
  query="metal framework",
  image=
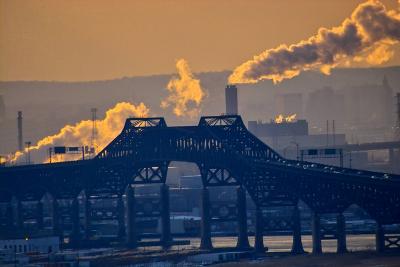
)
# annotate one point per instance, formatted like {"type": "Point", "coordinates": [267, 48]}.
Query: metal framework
{"type": "Point", "coordinates": [226, 154]}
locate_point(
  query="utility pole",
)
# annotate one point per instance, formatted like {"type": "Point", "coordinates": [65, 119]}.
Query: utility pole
{"type": "Point", "coordinates": [20, 137]}
{"type": "Point", "coordinates": [333, 132]}
{"type": "Point", "coordinates": [50, 152]}
{"type": "Point", "coordinates": [327, 132]}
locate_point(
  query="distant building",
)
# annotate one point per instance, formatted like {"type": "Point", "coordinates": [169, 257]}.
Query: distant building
{"type": "Point", "coordinates": [173, 176]}
{"type": "Point", "coordinates": [289, 104]}
{"type": "Point", "coordinates": [325, 104]}
{"type": "Point", "coordinates": [272, 129]}
{"type": "Point", "coordinates": [367, 111]}
{"type": "Point", "coordinates": [47, 244]}
{"type": "Point", "coordinates": [8, 258]}
{"type": "Point", "coordinates": [191, 181]}
{"type": "Point", "coordinates": [288, 138]}
{"type": "Point", "coordinates": [371, 105]}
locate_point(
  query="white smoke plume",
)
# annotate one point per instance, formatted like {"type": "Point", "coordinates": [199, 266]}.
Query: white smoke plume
{"type": "Point", "coordinates": [366, 36]}
{"type": "Point", "coordinates": [185, 92]}
{"type": "Point", "coordinates": [80, 134]}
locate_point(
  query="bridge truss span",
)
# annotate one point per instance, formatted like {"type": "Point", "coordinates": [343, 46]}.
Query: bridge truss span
{"type": "Point", "coordinates": [226, 154]}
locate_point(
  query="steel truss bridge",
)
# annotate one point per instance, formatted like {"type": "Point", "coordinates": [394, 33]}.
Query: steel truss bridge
{"type": "Point", "coordinates": [227, 154]}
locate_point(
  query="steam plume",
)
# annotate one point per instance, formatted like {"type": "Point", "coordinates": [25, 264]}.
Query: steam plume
{"type": "Point", "coordinates": [185, 92]}
{"type": "Point", "coordinates": [364, 37]}
{"type": "Point", "coordinates": [80, 134]}
{"type": "Point", "coordinates": [280, 118]}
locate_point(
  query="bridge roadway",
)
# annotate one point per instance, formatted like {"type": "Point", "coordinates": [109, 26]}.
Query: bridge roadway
{"type": "Point", "coordinates": [364, 146]}
{"type": "Point", "coordinates": [226, 154]}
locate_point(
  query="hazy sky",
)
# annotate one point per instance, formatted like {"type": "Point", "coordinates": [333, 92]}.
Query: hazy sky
{"type": "Point", "coordinates": [93, 40]}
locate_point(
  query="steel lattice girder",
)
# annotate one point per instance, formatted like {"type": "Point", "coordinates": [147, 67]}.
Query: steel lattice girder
{"type": "Point", "coordinates": [225, 152]}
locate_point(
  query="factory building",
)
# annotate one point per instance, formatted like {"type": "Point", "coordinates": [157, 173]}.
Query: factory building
{"type": "Point", "coordinates": [272, 129]}
{"type": "Point", "coordinates": [28, 245]}
{"type": "Point", "coordinates": [281, 135]}
{"type": "Point", "coordinates": [289, 138]}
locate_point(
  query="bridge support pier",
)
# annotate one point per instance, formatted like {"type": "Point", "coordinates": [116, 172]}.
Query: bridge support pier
{"type": "Point", "coordinates": [206, 242]}
{"type": "Point", "coordinates": [259, 232]}
{"type": "Point", "coordinates": [165, 217]}
{"type": "Point", "coordinates": [121, 217]}
{"type": "Point", "coordinates": [131, 235]}
{"type": "Point", "coordinates": [341, 233]}
{"type": "Point", "coordinates": [9, 217]}
{"type": "Point", "coordinates": [55, 217]}
{"type": "Point", "coordinates": [243, 238]}
{"type": "Point", "coordinates": [316, 234]}
{"type": "Point", "coordinates": [75, 237]}
{"type": "Point", "coordinates": [297, 246]}
{"type": "Point", "coordinates": [18, 214]}
{"type": "Point", "coordinates": [87, 215]}
{"type": "Point", "coordinates": [39, 214]}
{"type": "Point", "coordinates": [379, 237]}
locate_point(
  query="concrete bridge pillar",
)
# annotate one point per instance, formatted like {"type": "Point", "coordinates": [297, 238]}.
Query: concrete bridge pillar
{"type": "Point", "coordinates": [9, 217]}
{"type": "Point", "coordinates": [297, 246]}
{"type": "Point", "coordinates": [87, 216]}
{"type": "Point", "coordinates": [259, 232]}
{"type": "Point", "coordinates": [165, 217]}
{"type": "Point", "coordinates": [18, 214]}
{"type": "Point", "coordinates": [131, 234]}
{"type": "Point", "coordinates": [341, 233]}
{"type": "Point", "coordinates": [243, 238]}
{"type": "Point", "coordinates": [55, 215]}
{"type": "Point", "coordinates": [379, 237]}
{"type": "Point", "coordinates": [316, 234]}
{"type": "Point", "coordinates": [39, 214]}
{"type": "Point", "coordinates": [206, 242]}
{"type": "Point", "coordinates": [76, 232]}
{"type": "Point", "coordinates": [120, 217]}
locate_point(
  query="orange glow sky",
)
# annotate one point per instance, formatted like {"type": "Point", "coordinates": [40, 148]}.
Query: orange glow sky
{"type": "Point", "coordinates": [95, 40]}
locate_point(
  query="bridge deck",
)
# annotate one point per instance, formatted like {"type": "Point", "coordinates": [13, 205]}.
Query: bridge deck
{"type": "Point", "coordinates": [226, 154]}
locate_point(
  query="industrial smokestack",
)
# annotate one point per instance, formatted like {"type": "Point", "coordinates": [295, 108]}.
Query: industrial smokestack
{"type": "Point", "coordinates": [231, 99]}
{"type": "Point", "coordinates": [20, 138]}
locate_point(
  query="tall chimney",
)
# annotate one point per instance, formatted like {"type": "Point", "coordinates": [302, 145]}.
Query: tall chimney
{"type": "Point", "coordinates": [231, 99]}
{"type": "Point", "coordinates": [20, 138]}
